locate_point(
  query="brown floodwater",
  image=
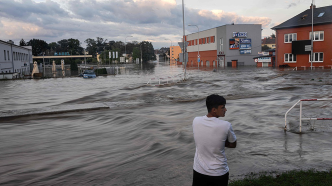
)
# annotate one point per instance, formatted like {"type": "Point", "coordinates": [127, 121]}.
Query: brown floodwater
{"type": "Point", "coordinates": [116, 130]}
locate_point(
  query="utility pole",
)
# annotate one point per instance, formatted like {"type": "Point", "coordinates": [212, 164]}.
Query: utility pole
{"type": "Point", "coordinates": [312, 32]}
{"type": "Point", "coordinates": [184, 42]}
{"type": "Point", "coordinates": [44, 63]}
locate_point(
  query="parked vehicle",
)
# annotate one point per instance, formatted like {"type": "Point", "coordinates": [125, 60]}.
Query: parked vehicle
{"type": "Point", "coordinates": [89, 74]}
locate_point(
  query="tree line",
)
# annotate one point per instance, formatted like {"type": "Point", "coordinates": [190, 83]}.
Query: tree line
{"type": "Point", "coordinates": [93, 47]}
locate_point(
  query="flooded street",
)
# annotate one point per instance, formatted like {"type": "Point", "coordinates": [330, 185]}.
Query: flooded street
{"type": "Point", "coordinates": [116, 130]}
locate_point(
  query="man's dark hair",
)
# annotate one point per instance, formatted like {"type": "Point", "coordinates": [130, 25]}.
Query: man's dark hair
{"type": "Point", "coordinates": [213, 101]}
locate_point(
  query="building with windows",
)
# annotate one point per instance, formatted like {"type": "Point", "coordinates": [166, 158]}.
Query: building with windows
{"type": "Point", "coordinates": [269, 42]}
{"type": "Point", "coordinates": [224, 44]}
{"type": "Point", "coordinates": [294, 39]}
{"type": "Point", "coordinates": [14, 60]}
{"type": "Point", "coordinates": [174, 53]}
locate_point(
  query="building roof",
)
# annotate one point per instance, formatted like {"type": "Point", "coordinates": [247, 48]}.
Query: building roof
{"type": "Point", "coordinates": [322, 15]}
{"type": "Point", "coordinates": [267, 41]}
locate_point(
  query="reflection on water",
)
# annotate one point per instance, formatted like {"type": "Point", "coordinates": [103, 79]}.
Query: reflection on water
{"type": "Point", "coordinates": [65, 136]}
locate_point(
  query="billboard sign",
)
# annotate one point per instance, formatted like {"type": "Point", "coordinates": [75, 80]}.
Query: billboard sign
{"type": "Point", "coordinates": [234, 44]}
{"type": "Point", "coordinates": [245, 51]}
{"type": "Point", "coordinates": [239, 34]}
{"type": "Point", "coordinates": [245, 46]}
{"type": "Point", "coordinates": [264, 59]}
{"type": "Point", "coordinates": [245, 40]}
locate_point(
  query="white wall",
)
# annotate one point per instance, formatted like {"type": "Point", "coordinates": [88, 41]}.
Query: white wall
{"type": "Point", "coordinates": [18, 61]}
{"type": "Point", "coordinates": [203, 34]}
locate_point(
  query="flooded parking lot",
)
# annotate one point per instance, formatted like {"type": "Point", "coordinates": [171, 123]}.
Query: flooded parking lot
{"type": "Point", "coordinates": [116, 130]}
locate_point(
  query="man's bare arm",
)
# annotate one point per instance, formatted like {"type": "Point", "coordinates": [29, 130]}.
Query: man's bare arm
{"type": "Point", "coordinates": [230, 145]}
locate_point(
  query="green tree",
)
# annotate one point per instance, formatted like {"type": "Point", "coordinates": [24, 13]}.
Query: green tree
{"type": "Point", "coordinates": [136, 53]}
{"type": "Point", "coordinates": [38, 46]}
{"type": "Point", "coordinates": [22, 42]}
{"type": "Point", "coordinates": [147, 51]}
{"type": "Point", "coordinates": [265, 47]}
{"type": "Point", "coordinates": [91, 46]}
{"type": "Point", "coordinates": [273, 35]}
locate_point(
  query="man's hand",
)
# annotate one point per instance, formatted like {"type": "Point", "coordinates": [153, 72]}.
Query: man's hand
{"type": "Point", "coordinates": [230, 145]}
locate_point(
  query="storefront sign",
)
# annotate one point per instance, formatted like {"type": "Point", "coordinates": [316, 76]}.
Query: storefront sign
{"type": "Point", "coordinates": [245, 40]}
{"type": "Point", "coordinates": [239, 34]}
{"type": "Point", "coordinates": [263, 53]}
{"type": "Point", "coordinates": [264, 59]}
{"type": "Point", "coordinates": [245, 51]}
{"type": "Point", "coordinates": [245, 46]}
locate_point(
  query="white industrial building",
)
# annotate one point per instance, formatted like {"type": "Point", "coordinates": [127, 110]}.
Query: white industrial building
{"type": "Point", "coordinates": [14, 60]}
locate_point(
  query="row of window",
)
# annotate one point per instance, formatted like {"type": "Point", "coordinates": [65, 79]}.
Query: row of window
{"type": "Point", "coordinates": [318, 36]}
{"type": "Point", "coordinates": [318, 57]}
{"type": "Point", "coordinates": [16, 70]}
{"type": "Point", "coordinates": [16, 56]}
{"type": "Point", "coordinates": [201, 41]}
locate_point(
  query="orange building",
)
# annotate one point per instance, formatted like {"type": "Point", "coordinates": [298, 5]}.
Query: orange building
{"type": "Point", "coordinates": [294, 39]}
{"type": "Point", "coordinates": [174, 53]}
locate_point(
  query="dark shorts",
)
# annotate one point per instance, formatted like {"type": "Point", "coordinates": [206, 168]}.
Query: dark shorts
{"type": "Point", "coordinates": [201, 179]}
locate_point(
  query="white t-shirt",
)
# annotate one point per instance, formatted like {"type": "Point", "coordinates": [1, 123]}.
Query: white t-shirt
{"type": "Point", "coordinates": [210, 135]}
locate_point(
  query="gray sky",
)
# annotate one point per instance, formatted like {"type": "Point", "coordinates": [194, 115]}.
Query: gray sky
{"type": "Point", "coordinates": [157, 21]}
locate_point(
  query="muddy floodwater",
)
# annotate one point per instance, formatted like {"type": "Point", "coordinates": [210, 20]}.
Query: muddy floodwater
{"type": "Point", "coordinates": [116, 130]}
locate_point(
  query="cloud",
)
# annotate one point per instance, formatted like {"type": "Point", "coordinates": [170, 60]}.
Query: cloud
{"type": "Point", "coordinates": [53, 20]}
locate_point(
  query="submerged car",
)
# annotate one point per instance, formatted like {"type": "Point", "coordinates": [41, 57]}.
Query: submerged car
{"type": "Point", "coordinates": [89, 74]}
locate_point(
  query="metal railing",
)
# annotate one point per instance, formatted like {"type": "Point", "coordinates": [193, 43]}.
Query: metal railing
{"type": "Point", "coordinates": [302, 119]}
{"type": "Point", "coordinates": [165, 80]}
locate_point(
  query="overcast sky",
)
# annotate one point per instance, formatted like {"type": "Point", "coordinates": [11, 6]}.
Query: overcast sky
{"type": "Point", "coordinates": [157, 21]}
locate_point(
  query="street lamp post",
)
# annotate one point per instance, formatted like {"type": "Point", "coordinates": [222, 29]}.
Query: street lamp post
{"type": "Point", "coordinates": [184, 42]}
{"type": "Point", "coordinates": [197, 43]}
{"type": "Point", "coordinates": [126, 47]}
{"type": "Point", "coordinates": [312, 32]}
{"type": "Point", "coordinates": [170, 51]}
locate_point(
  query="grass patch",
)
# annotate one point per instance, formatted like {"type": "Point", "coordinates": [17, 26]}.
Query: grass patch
{"type": "Point", "coordinates": [289, 178]}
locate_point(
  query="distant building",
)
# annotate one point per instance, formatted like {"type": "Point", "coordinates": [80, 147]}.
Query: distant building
{"type": "Point", "coordinates": [14, 60]}
{"type": "Point", "coordinates": [265, 59]}
{"type": "Point", "coordinates": [174, 52]}
{"type": "Point", "coordinates": [225, 44]}
{"type": "Point", "coordinates": [294, 39]}
{"type": "Point", "coordinates": [270, 42]}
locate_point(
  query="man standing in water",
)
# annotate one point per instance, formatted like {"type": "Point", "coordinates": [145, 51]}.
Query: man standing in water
{"type": "Point", "coordinates": [211, 136]}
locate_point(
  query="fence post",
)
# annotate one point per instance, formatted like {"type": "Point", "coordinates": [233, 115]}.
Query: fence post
{"type": "Point", "coordinates": [300, 116]}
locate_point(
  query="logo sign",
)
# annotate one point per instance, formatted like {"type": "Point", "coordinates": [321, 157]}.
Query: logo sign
{"type": "Point", "coordinates": [198, 60]}
{"type": "Point", "coordinates": [256, 60]}
{"type": "Point", "coordinates": [239, 34]}
{"type": "Point", "coordinates": [245, 46]}
{"type": "Point", "coordinates": [198, 56]}
{"type": "Point", "coordinates": [245, 40]}
{"type": "Point", "coordinates": [245, 51]}
{"type": "Point", "coordinates": [263, 53]}
{"type": "Point", "coordinates": [264, 59]}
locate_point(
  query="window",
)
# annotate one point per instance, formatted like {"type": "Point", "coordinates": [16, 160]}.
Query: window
{"type": "Point", "coordinates": [212, 39]}
{"type": "Point", "coordinates": [321, 14]}
{"type": "Point", "coordinates": [4, 54]}
{"type": "Point", "coordinates": [221, 44]}
{"type": "Point", "coordinates": [208, 40]}
{"type": "Point", "coordinates": [195, 41]}
{"type": "Point", "coordinates": [318, 36]}
{"type": "Point", "coordinates": [290, 58]}
{"type": "Point", "coordinates": [204, 40]}
{"type": "Point", "coordinates": [8, 55]}
{"type": "Point", "coordinates": [290, 37]}
{"type": "Point", "coordinates": [318, 57]}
